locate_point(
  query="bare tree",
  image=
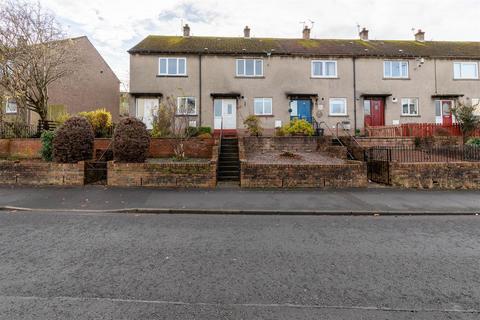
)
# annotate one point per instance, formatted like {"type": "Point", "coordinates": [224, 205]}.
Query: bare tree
{"type": "Point", "coordinates": [33, 54]}
{"type": "Point", "coordinates": [175, 122]}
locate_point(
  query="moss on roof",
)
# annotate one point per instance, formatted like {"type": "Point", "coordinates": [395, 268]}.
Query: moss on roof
{"type": "Point", "coordinates": [302, 47]}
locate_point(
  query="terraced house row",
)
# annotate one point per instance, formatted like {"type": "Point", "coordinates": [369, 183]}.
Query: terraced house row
{"type": "Point", "coordinates": [219, 81]}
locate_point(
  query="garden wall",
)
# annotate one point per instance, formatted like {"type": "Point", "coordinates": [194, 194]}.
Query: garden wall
{"type": "Point", "coordinates": [292, 144]}
{"type": "Point", "coordinates": [31, 172]}
{"type": "Point", "coordinates": [350, 174]}
{"type": "Point", "coordinates": [159, 148]}
{"type": "Point", "coordinates": [165, 175]}
{"type": "Point", "coordinates": [435, 175]}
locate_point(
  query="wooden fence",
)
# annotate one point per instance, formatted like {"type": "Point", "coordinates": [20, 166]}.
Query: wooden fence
{"type": "Point", "coordinates": [416, 130]}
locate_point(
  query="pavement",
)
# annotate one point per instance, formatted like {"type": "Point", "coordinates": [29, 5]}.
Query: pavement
{"type": "Point", "coordinates": [386, 201]}
{"type": "Point", "coordinates": [78, 265]}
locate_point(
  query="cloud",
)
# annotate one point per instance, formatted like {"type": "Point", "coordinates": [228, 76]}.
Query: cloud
{"type": "Point", "coordinates": [115, 26]}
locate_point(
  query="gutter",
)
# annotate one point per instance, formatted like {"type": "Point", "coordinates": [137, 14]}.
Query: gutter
{"type": "Point", "coordinates": [354, 94]}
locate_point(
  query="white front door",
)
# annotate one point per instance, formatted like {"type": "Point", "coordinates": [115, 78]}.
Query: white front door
{"type": "Point", "coordinates": [147, 108]}
{"type": "Point", "coordinates": [225, 114]}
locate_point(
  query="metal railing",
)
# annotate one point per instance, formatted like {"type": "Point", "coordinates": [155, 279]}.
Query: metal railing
{"type": "Point", "coordinates": [11, 130]}
{"type": "Point", "coordinates": [410, 154]}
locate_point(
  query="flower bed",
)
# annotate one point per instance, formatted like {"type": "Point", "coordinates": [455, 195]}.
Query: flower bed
{"type": "Point", "coordinates": [315, 164]}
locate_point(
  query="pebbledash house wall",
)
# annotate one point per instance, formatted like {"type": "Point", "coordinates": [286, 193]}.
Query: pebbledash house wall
{"type": "Point", "coordinates": [283, 74]}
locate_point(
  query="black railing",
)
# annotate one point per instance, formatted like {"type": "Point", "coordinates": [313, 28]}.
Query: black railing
{"type": "Point", "coordinates": [429, 154]}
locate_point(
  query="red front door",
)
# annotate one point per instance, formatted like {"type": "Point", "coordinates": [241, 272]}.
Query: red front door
{"type": "Point", "coordinates": [374, 110]}
{"type": "Point", "coordinates": [447, 112]}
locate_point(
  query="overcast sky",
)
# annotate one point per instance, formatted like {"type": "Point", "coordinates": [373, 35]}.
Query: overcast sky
{"type": "Point", "coordinates": [115, 26]}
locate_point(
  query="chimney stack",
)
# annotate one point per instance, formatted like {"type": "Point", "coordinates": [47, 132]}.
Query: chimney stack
{"type": "Point", "coordinates": [364, 34]}
{"type": "Point", "coordinates": [306, 33]}
{"type": "Point", "coordinates": [186, 30]}
{"type": "Point", "coordinates": [246, 32]}
{"type": "Point", "coordinates": [420, 35]}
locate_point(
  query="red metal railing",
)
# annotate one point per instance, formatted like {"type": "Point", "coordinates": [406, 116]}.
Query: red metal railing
{"type": "Point", "coordinates": [416, 130]}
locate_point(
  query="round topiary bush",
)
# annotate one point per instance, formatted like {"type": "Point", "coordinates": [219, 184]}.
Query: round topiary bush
{"type": "Point", "coordinates": [131, 141]}
{"type": "Point", "coordinates": [73, 141]}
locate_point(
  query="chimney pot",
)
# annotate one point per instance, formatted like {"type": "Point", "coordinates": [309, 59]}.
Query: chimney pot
{"type": "Point", "coordinates": [186, 30]}
{"type": "Point", "coordinates": [246, 32]}
{"type": "Point", "coordinates": [420, 35]}
{"type": "Point", "coordinates": [364, 34]}
{"type": "Point", "coordinates": [306, 33]}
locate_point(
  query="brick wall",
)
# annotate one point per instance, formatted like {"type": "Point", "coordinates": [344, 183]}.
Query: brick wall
{"type": "Point", "coordinates": [293, 144]}
{"type": "Point", "coordinates": [165, 175]}
{"type": "Point", "coordinates": [452, 175]}
{"type": "Point", "coordinates": [383, 142]}
{"type": "Point", "coordinates": [30, 172]}
{"type": "Point", "coordinates": [350, 174]}
{"type": "Point", "coordinates": [159, 148]}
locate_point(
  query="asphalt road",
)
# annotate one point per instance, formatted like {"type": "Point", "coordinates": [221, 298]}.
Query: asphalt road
{"type": "Point", "coordinates": [114, 266]}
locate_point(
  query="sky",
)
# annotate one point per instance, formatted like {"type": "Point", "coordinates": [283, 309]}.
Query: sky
{"type": "Point", "coordinates": [114, 26]}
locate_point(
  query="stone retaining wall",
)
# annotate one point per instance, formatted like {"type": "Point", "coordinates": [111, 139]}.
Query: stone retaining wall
{"type": "Point", "coordinates": [435, 175]}
{"type": "Point", "coordinates": [165, 175]}
{"type": "Point", "coordinates": [28, 172]}
{"type": "Point", "coordinates": [350, 174]}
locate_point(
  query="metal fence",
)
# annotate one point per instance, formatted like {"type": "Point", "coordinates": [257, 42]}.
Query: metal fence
{"type": "Point", "coordinates": [424, 154]}
{"type": "Point", "coordinates": [10, 130]}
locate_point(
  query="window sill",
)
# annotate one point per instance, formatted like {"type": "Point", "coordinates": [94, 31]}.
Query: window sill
{"type": "Point", "coordinates": [264, 115]}
{"type": "Point", "coordinates": [384, 78]}
{"type": "Point", "coordinates": [10, 113]}
{"type": "Point", "coordinates": [171, 76]}
{"type": "Point", "coordinates": [338, 115]}
{"type": "Point", "coordinates": [249, 77]}
{"type": "Point", "coordinates": [332, 78]}
{"type": "Point", "coordinates": [410, 116]}
{"type": "Point", "coordinates": [466, 79]}
{"type": "Point", "coordinates": [186, 115]}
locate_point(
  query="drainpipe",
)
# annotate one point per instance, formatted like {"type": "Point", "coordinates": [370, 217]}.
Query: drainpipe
{"type": "Point", "coordinates": [200, 89]}
{"type": "Point", "coordinates": [435, 67]}
{"type": "Point", "coordinates": [354, 94]}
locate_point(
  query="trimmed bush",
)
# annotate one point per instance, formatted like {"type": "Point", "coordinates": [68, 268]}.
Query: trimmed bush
{"type": "Point", "coordinates": [73, 141]}
{"type": "Point", "coordinates": [298, 127]}
{"type": "Point", "coordinates": [131, 141]}
{"type": "Point", "coordinates": [47, 145]}
{"type": "Point", "coordinates": [100, 120]}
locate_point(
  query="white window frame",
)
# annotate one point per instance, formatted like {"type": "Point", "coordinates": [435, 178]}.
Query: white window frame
{"type": "Point", "coordinates": [330, 113]}
{"type": "Point", "coordinates": [263, 106]}
{"type": "Point", "coordinates": [6, 107]}
{"type": "Point", "coordinates": [461, 63]}
{"type": "Point", "coordinates": [391, 69]}
{"type": "Point", "coordinates": [177, 74]}
{"type": "Point", "coordinates": [409, 100]}
{"type": "Point", "coordinates": [178, 113]}
{"type": "Point", "coordinates": [323, 62]}
{"type": "Point", "coordinates": [244, 75]}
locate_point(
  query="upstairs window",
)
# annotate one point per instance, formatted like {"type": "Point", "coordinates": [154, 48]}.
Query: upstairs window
{"type": "Point", "coordinates": [10, 106]}
{"type": "Point", "coordinates": [410, 107]}
{"type": "Point", "coordinates": [172, 67]}
{"type": "Point", "coordinates": [262, 106]}
{"type": "Point", "coordinates": [465, 70]}
{"type": "Point", "coordinates": [249, 68]}
{"type": "Point", "coordinates": [395, 69]}
{"type": "Point", "coordinates": [324, 69]}
{"type": "Point", "coordinates": [186, 106]}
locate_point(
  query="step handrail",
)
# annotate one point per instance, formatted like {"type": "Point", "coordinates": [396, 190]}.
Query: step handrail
{"type": "Point", "coordinates": [336, 137]}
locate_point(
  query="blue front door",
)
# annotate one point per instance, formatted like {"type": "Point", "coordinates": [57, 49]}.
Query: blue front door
{"type": "Point", "coordinates": [301, 109]}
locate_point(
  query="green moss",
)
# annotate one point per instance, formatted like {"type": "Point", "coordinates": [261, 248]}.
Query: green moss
{"type": "Point", "coordinates": [308, 43]}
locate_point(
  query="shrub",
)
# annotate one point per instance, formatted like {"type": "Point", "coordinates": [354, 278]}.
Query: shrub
{"type": "Point", "coordinates": [73, 141]}
{"type": "Point", "coordinates": [203, 130]}
{"type": "Point", "coordinates": [198, 131]}
{"type": "Point", "coordinates": [253, 125]}
{"type": "Point", "coordinates": [204, 136]}
{"type": "Point", "coordinates": [47, 145]}
{"type": "Point", "coordinates": [131, 141]}
{"type": "Point", "coordinates": [63, 117]}
{"type": "Point", "coordinates": [298, 127]}
{"type": "Point", "coordinates": [474, 142]}
{"type": "Point", "coordinates": [417, 141]}
{"type": "Point", "coordinates": [100, 120]}
{"type": "Point", "coordinates": [162, 122]}
{"type": "Point", "coordinates": [281, 132]}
